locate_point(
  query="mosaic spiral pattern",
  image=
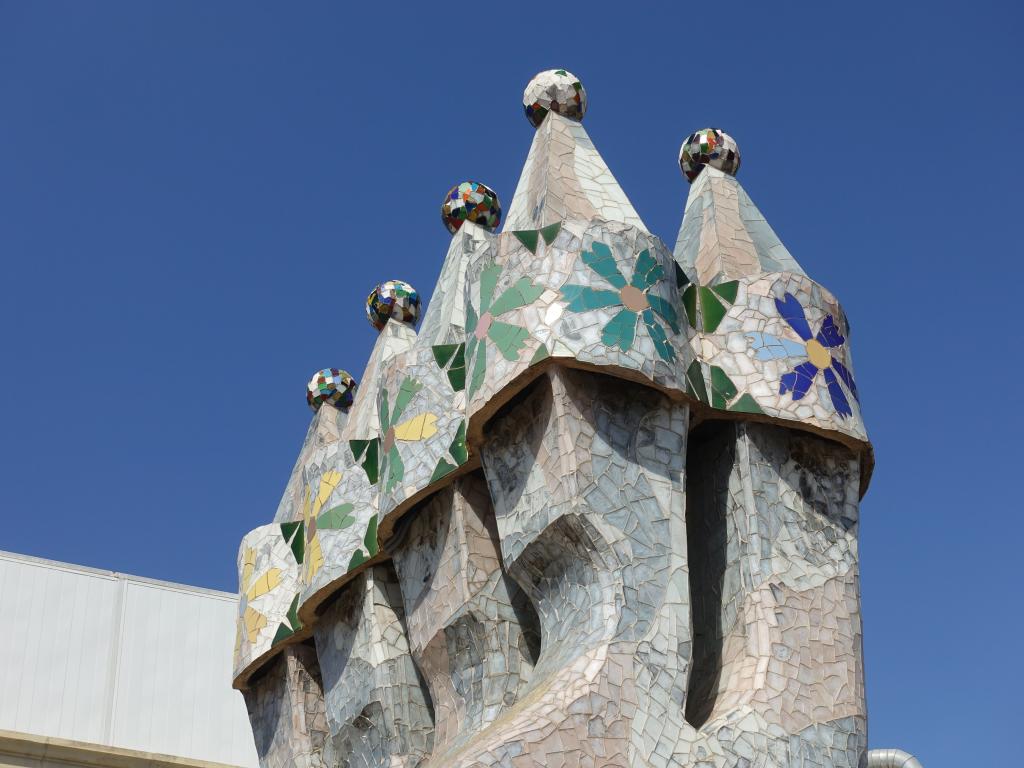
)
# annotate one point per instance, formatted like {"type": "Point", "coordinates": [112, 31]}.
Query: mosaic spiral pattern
{"type": "Point", "coordinates": [392, 299]}
{"type": "Point", "coordinates": [710, 146]}
{"type": "Point", "coordinates": [554, 90]}
{"type": "Point", "coordinates": [330, 385]}
{"type": "Point", "coordinates": [471, 201]}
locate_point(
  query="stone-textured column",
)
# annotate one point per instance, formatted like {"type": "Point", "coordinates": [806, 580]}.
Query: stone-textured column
{"type": "Point", "coordinates": [772, 509]}
{"type": "Point", "coordinates": [778, 667]}
{"type": "Point", "coordinates": [472, 630]}
{"type": "Point", "coordinates": [286, 709]}
{"type": "Point", "coordinates": [377, 710]}
{"type": "Point", "coordinates": [586, 474]}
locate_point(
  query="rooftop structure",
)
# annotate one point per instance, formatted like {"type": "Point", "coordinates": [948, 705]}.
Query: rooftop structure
{"type": "Point", "coordinates": [601, 509]}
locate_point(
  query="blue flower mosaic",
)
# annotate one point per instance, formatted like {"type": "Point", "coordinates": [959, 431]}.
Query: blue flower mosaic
{"type": "Point", "coordinates": [816, 348]}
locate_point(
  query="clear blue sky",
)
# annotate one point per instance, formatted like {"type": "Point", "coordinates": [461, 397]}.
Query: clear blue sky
{"type": "Point", "coordinates": [195, 199]}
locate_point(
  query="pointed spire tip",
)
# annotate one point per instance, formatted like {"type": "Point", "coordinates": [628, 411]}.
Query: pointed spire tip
{"type": "Point", "coordinates": [554, 90]}
{"type": "Point", "coordinates": [709, 146]}
{"type": "Point", "coordinates": [392, 300]}
{"type": "Point", "coordinates": [330, 386]}
{"type": "Point", "coordinates": [471, 201]}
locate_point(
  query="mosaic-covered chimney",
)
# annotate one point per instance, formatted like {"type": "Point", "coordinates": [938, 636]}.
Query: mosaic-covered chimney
{"type": "Point", "coordinates": [600, 510]}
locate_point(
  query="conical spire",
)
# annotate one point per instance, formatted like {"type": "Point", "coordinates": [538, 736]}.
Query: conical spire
{"type": "Point", "coordinates": [444, 322]}
{"type": "Point", "coordinates": [339, 509]}
{"type": "Point", "coordinates": [329, 393]}
{"type": "Point", "coordinates": [470, 211]}
{"type": "Point", "coordinates": [397, 335]}
{"type": "Point", "coordinates": [723, 235]}
{"type": "Point", "coordinates": [565, 176]}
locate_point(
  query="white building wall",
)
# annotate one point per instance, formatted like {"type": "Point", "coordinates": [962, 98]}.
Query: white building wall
{"type": "Point", "coordinates": [119, 661]}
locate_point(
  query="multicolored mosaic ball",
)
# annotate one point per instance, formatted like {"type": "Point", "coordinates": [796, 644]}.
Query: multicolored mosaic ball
{"type": "Point", "coordinates": [554, 90]}
{"type": "Point", "coordinates": [710, 146]}
{"type": "Point", "coordinates": [392, 299]}
{"type": "Point", "coordinates": [333, 386]}
{"type": "Point", "coordinates": [471, 201]}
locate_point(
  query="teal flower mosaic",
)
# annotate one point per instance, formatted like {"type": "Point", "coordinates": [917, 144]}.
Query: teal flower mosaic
{"type": "Point", "coordinates": [483, 325]}
{"type": "Point", "coordinates": [634, 297]}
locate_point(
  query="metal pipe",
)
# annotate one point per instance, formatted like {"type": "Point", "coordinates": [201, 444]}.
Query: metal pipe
{"type": "Point", "coordinates": [891, 758]}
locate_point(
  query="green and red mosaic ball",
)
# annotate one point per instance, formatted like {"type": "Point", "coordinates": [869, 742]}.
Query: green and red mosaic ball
{"type": "Point", "coordinates": [392, 300]}
{"type": "Point", "coordinates": [554, 90]}
{"type": "Point", "coordinates": [332, 386]}
{"type": "Point", "coordinates": [471, 201]}
{"type": "Point", "coordinates": [710, 146]}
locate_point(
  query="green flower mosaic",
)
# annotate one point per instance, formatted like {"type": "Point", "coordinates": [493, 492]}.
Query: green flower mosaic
{"type": "Point", "coordinates": [451, 358]}
{"type": "Point", "coordinates": [483, 326]}
{"type": "Point", "coordinates": [634, 297]}
{"type": "Point", "coordinates": [366, 455]}
{"type": "Point", "coordinates": [713, 303]}
{"type": "Point", "coordinates": [371, 454]}
{"type": "Point", "coordinates": [369, 548]}
{"type": "Point", "coordinates": [722, 393]}
{"type": "Point", "coordinates": [458, 452]}
{"type": "Point", "coordinates": [381, 455]}
{"type": "Point", "coordinates": [336, 518]}
{"type": "Point", "coordinates": [531, 237]}
{"type": "Point", "coordinates": [391, 431]}
{"type": "Point", "coordinates": [294, 535]}
{"type": "Point", "coordinates": [290, 625]}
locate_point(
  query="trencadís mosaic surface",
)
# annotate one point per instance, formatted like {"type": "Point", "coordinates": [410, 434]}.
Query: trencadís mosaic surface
{"type": "Point", "coordinates": [709, 147]}
{"type": "Point", "coordinates": [554, 90]}
{"type": "Point", "coordinates": [471, 201]}
{"type": "Point", "coordinates": [599, 508]}
{"type": "Point", "coordinates": [392, 299]}
{"type": "Point", "coordinates": [330, 386]}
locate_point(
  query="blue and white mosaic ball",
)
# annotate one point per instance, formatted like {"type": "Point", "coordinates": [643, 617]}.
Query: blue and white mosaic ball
{"type": "Point", "coordinates": [392, 300]}
{"type": "Point", "coordinates": [332, 386]}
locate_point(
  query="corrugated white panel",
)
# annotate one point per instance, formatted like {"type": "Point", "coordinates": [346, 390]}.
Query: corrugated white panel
{"type": "Point", "coordinates": [112, 659]}
{"type": "Point", "coordinates": [55, 664]}
{"type": "Point", "coordinates": [173, 692]}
